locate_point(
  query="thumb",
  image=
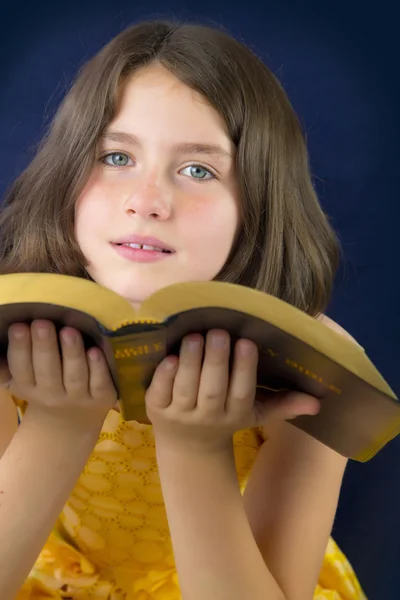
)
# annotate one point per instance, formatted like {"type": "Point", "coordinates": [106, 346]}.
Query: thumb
{"type": "Point", "coordinates": [5, 375]}
{"type": "Point", "coordinates": [285, 406]}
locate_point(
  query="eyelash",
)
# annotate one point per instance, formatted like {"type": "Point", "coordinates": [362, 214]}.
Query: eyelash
{"type": "Point", "coordinates": [212, 178]}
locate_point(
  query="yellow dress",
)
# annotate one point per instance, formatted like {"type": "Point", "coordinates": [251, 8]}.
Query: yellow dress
{"type": "Point", "coordinates": [112, 540]}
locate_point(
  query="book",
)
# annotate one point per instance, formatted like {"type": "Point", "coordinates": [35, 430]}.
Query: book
{"type": "Point", "coordinates": [359, 411]}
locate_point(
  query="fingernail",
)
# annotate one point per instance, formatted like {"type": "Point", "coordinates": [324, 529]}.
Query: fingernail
{"type": "Point", "coordinates": [218, 340]}
{"type": "Point", "coordinates": [170, 363]}
{"type": "Point", "coordinates": [42, 331]}
{"type": "Point", "coordinates": [68, 336]}
{"type": "Point", "coordinates": [93, 354]}
{"type": "Point", "coordinates": [192, 344]}
{"type": "Point", "coordinates": [17, 332]}
{"type": "Point", "coordinates": [246, 348]}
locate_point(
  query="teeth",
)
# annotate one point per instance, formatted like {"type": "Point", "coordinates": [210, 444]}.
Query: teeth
{"type": "Point", "coordinates": [144, 247]}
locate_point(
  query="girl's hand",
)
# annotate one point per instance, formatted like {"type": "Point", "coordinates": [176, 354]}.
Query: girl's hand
{"type": "Point", "coordinates": [195, 404]}
{"type": "Point", "coordinates": [5, 375]}
{"type": "Point", "coordinates": [75, 387]}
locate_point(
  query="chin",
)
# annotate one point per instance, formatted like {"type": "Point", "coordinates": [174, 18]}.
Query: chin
{"type": "Point", "coordinates": [134, 294]}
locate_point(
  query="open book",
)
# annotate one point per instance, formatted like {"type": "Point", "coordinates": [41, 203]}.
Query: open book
{"type": "Point", "coordinates": [359, 412]}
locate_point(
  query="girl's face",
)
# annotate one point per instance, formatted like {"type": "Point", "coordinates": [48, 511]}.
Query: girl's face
{"type": "Point", "coordinates": [165, 179]}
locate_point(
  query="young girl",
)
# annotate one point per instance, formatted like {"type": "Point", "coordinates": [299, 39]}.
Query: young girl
{"type": "Point", "coordinates": [175, 156]}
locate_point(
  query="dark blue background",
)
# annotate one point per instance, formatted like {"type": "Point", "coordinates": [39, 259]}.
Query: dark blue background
{"type": "Point", "coordinates": [340, 68]}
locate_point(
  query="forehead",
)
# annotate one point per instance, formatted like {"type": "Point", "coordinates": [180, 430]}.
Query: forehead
{"type": "Point", "coordinates": [157, 81]}
{"type": "Point", "coordinates": [153, 97]}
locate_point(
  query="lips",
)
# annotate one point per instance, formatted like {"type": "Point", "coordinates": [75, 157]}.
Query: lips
{"type": "Point", "coordinates": [145, 247]}
{"type": "Point", "coordinates": [144, 243]}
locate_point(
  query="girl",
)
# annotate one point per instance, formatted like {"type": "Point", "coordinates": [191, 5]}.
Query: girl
{"type": "Point", "coordinates": [175, 156]}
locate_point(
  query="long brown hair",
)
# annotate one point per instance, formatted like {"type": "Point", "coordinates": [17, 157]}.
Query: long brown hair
{"type": "Point", "coordinates": [286, 246]}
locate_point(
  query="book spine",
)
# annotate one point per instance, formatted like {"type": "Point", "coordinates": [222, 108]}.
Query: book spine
{"type": "Point", "coordinates": [136, 356]}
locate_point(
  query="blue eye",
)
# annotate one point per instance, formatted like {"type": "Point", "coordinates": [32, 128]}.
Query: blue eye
{"type": "Point", "coordinates": [116, 159]}
{"type": "Point", "coordinates": [198, 172]}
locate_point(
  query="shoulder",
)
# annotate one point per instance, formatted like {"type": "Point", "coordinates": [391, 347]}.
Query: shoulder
{"type": "Point", "coordinates": [336, 327]}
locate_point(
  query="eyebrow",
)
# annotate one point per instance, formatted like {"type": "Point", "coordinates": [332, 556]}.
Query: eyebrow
{"type": "Point", "coordinates": [180, 148]}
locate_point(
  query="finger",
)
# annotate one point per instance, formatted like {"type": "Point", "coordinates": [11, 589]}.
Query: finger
{"type": "Point", "coordinates": [159, 393]}
{"type": "Point", "coordinates": [46, 355]}
{"type": "Point", "coordinates": [75, 371]}
{"type": "Point", "coordinates": [243, 382]}
{"type": "Point", "coordinates": [186, 384]}
{"type": "Point", "coordinates": [286, 406]}
{"type": "Point", "coordinates": [19, 354]}
{"type": "Point", "coordinates": [101, 385]}
{"type": "Point", "coordinates": [215, 373]}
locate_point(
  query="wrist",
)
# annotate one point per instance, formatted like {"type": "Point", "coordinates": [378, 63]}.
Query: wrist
{"type": "Point", "coordinates": [189, 444]}
{"type": "Point", "coordinates": [63, 424]}
{"type": "Point", "coordinates": [184, 459]}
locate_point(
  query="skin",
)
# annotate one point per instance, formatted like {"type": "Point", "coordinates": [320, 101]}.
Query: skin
{"type": "Point", "coordinates": [252, 547]}
{"type": "Point", "coordinates": [157, 192]}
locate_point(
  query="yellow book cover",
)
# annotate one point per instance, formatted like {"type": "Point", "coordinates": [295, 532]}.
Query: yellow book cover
{"type": "Point", "coordinates": [359, 412]}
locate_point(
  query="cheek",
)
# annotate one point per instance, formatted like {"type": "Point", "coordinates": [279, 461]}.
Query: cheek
{"type": "Point", "coordinates": [91, 210]}
{"type": "Point", "coordinates": [83, 213]}
{"type": "Point", "coordinates": [211, 225]}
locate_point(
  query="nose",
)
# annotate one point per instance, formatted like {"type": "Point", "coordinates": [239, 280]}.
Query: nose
{"type": "Point", "coordinates": [148, 201]}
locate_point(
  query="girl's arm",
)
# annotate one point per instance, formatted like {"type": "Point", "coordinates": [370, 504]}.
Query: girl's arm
{"type": "Point", "coordinates": [195, 406]}
{"type": "Point", "coordinates": [215, 551]}
{"type": "Point", "coordinates": [68, 399]}
{"type": "Point", "coordinates": [37, 473]}
{"type": "Point", "coordinates": [291, 500]}
{"type": "Point", "coordinates": [268, 545]}
{"type": "Point", "coordinates": [8, 420]}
